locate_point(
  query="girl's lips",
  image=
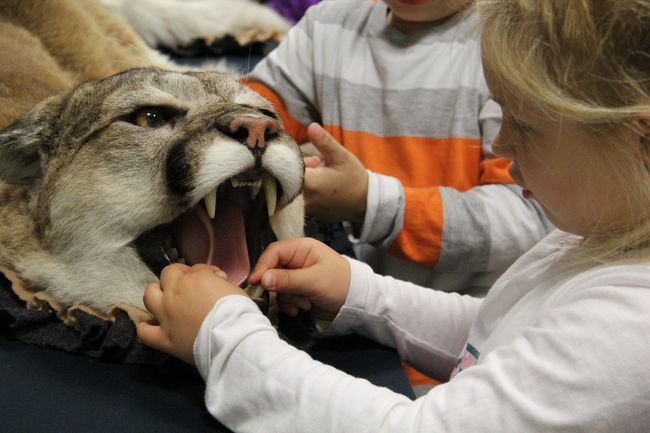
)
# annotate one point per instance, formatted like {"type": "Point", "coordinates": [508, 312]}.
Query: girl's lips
{"type": "Point", "coordinates": [516, 176]}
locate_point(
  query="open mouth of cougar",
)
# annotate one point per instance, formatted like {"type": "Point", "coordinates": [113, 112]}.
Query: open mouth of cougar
{"type": "Point", "coordinates": [229, 228]}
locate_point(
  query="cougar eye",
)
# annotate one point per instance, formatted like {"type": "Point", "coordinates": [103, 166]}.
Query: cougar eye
{"type": "Point", "coordinates": [151, 117]}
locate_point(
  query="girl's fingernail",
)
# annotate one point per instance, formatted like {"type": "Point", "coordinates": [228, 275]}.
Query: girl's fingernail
{"type": "Point", "coordinates": [268, 280]}
{"type": "Point", "coordinates": [223, 275]}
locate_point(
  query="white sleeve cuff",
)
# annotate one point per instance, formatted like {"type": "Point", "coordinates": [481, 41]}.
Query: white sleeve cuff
{"type": "Point", "coordinates": [347, 319]}
{"type": "Point", "coordinates": [384, 211]}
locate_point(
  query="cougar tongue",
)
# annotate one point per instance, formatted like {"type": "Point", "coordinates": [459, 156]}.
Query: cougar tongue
{"type": "Point", "coordinates": [220, 242]}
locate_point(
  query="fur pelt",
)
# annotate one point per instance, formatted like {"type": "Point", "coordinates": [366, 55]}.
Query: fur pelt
{"type": "Point", "coordinates": [177, 23]}
{"type": "Point", "coordinates": [102, 145]}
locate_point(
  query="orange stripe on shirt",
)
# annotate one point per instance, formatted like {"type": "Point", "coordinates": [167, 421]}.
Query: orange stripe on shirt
{"type": "Point", "coordinates": [417, 162]}
{"type": "Point", "coordinates": [421, 237]}
{"type": "Point", "coordinates": [495, 171]}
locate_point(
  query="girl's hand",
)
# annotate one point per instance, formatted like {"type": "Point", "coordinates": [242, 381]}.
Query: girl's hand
{"type": "Point", "coordinates": [336, 187]}
{"type": "Point", "coordinates": [179, 305]}
{"type": "Point", "coordinates": [306, 274]}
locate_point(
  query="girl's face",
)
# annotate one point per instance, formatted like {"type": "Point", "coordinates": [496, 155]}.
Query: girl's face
{"type": "Point", "coordinates": [407, 15]}
{"type": "Point", "coordinates": [561, 166]}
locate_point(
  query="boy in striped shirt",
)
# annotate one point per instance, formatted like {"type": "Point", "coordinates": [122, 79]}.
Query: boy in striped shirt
{"type": "Point", "coordinates": [399, 84]}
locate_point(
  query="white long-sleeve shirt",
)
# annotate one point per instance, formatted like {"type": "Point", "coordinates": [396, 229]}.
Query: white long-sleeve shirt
{"type": "Point", "coordinates": [553, 347]}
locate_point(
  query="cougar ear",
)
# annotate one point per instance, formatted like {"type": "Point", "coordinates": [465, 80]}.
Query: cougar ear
{"type": "Point", "coordinates": [22, 143]}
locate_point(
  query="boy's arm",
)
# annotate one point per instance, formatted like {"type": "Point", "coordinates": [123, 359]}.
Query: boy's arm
{"type": "Point", "coordinates": [484, 228]}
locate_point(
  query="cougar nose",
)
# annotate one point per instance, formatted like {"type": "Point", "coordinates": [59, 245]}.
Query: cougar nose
{"type": "Point", "coordinates": [253, 131]}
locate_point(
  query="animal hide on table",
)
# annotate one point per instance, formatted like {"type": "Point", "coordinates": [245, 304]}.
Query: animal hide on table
{"type": "Point", "coordinates": [111, 338]}
{"type": "Point", "coordinates": [73, 215]}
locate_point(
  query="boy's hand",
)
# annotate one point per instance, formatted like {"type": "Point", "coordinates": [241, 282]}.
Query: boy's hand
{"type": "Point", "coordinates": [314, 276]}
{"type": "Point", "coordinates": [179, 305]}
{"type": "Point", "coordinates": [337, 188]}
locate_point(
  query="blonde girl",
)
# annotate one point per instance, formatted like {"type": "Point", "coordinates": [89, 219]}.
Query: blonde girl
{"type": "Point", "coordinates": [560, 343]}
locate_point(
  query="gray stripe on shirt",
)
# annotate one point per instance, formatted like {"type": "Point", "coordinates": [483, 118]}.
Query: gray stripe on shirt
{"type": "Point", "coordinates": [466, 241]}
{"type": "Point", "coordinates": [431, 113]}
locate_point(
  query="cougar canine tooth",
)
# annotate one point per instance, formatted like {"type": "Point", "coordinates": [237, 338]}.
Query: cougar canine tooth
{"type": "Point", "coordinates": [271, 193]}
{"type": "Point", "coordinates": [254, 291]}
{"type": "Point", "coordinates": [211, 203]}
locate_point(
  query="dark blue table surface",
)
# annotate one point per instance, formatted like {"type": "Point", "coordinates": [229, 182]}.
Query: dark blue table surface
{"type": "Point", "coordinates": [47, 390]}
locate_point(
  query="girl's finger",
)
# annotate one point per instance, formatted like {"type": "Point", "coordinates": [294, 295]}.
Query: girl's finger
{"type": "Point", "coordinates": [289, 252]}
{"type": "Point", "coordinates": [153, 336]}
{"type": "Point", "coordinates": [172, 273]}
{"type": "Point", "coordinates": [289, 281]}
{"type": "Point", "coordinates": [297, 301]}
{"type": "Point", "coordinates": [202, 267]}
{"type": "Point", "coordinates": [153, 298]}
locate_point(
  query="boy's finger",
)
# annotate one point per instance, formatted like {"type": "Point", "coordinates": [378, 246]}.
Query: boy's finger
{"type": "Point", "coordinates": [312, 161]}
{"type": "Point", "coordinates": [287, 309]}
{"type": "Point", "coordinates": [331, 149]}
{"type": "Point", "coordinates": [317, 180]}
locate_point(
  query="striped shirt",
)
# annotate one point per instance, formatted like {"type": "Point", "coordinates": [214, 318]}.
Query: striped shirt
{"type": "Point", "coordinates": [442, 210]}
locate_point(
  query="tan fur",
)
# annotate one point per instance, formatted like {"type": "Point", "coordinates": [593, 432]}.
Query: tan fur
{"type": "Point", "coordinates": [80, 180]}
{"type": "Point", "coordinates": [49, 45]}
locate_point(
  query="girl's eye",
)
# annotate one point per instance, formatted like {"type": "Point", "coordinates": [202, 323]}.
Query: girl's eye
{"type": "Point", "coordinates": [151, 117]}
{"type": "Point", "coordinates": [522, 129]}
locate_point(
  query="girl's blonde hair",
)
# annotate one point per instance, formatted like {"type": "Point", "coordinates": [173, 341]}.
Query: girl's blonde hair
{"type": "Point", "coordinates": [583, 61]}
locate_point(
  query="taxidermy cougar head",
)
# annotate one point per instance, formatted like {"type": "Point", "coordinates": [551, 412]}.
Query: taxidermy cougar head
{"type": "Point", "coordinates": [104, 185]}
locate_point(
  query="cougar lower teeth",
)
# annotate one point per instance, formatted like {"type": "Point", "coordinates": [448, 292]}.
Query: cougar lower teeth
{"type": "Point", "coordinates": [255, 189]}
